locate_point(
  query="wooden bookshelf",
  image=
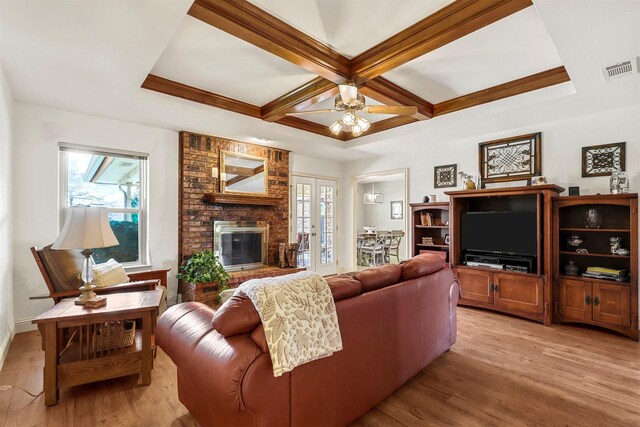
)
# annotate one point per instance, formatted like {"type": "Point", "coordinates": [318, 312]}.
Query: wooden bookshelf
{"type": "Point", "coordinates": [437, 230]}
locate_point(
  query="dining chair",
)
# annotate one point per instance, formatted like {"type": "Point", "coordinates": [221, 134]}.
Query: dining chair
{"type": "Point", "coordinates": [374, 250]}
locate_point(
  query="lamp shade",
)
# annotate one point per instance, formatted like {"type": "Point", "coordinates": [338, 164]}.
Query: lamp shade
{"type": "Point", "coordinates": [86, 228]}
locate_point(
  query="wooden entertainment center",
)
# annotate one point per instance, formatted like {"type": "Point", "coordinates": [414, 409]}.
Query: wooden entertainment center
{"type": "Point", "coordinates": [526, 294]}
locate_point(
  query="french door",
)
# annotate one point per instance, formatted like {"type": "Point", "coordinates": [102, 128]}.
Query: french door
{"type": "Point", "coordinates": [313, 224]}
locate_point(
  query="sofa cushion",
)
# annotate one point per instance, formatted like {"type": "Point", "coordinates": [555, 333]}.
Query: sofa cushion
{"type": "Point", "coordinates": [344, 286]}
{"type": "Point", "coordinates": [236, 316]}
{"type": "Point", "coordinates": [420, 265]}
{"type": "Point", "coordinates": [378, 277]}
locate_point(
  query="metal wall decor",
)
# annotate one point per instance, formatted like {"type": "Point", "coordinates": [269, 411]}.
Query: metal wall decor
{"type": "Point", "coordinates": [445, 176]}
{"type": "Point", "coordinates": [602, 160]}
{"type": "Point", "coordinates": [511, 159]}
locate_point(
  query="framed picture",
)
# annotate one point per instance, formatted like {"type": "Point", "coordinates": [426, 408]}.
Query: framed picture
{"type": "Point", "coordinates": [445, 176]}
{"type": "Point", "coordinates": [601, 160]}
{"type": "Point", "coordinates": [396, 209]}
{"type": "Point", "coordinates": [446, 239]}
{"type": "Point", "coordinates": [511, 159]}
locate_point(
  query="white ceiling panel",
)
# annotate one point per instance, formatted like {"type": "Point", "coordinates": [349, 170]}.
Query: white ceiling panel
{"type": "Point", "coordinates": [514, 47]}
{"type": "Point", "coordinates": [353, 26]}
{"type": "Point", "coordinates": [329, 118]}
{"type": "Point", "coordinates": [205, 57]}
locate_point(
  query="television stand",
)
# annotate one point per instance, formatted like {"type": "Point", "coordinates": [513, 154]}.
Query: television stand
{"type": "Point", "coordinates": [522, 293]}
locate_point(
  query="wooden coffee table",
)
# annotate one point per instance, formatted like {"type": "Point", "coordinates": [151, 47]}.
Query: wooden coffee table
{"type": "Point", "coordinates": [80, 363]}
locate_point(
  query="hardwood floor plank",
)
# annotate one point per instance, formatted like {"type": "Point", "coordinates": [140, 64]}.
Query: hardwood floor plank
{"type": "Point", "coordinates": [503, 371]}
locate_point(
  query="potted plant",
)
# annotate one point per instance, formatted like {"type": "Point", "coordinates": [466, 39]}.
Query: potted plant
{"type": "Point", "coordinates": [205, 277]}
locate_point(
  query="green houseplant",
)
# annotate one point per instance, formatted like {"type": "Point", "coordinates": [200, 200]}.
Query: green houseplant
{"type": "Point", "coordinates": [204, 272]}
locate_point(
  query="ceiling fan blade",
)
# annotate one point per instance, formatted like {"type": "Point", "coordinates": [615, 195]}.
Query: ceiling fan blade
{"type": "Point", "coordinates": [391, 109]}
{"type": "Point", "coordinates": [300, 113]}
{"type": "Point", "coordinates": [348, 93]}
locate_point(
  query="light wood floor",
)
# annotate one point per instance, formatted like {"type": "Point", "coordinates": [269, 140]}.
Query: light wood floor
{"type": "Point", "coordinates": [502, 371]}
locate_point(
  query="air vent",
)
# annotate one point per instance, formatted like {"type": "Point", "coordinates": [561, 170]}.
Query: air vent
{"type": "Point", "coordinates": [620, 70]}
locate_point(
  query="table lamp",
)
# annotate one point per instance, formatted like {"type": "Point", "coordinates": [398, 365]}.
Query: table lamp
{"type": "Point", "coordinates": [86, 228]}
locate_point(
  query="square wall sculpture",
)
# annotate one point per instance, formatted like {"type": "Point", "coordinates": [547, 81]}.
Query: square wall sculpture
{"type": "Point", "coordinates": [445, 176]}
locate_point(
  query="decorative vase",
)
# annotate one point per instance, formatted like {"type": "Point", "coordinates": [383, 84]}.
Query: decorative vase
{"type": "Point", "coordinates": [592, 218]}
{"type": "Point", "coordinates": [575, 240]}
{"type": "Point", "coordinates": [571, 269]}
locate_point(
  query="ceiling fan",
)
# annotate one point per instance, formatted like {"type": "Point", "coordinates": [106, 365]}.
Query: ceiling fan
{"type": "Point", "coordinates": [351, 102]}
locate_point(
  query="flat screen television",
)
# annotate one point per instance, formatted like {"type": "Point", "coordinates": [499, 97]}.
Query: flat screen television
{"type": "Point", "coordinates": [505, 233]}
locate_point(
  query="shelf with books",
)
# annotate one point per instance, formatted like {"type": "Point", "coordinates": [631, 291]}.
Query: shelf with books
{"type": "Point", "coordinates": [430, 226]}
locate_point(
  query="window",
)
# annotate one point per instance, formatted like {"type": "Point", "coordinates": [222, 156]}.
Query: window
{"type": "Point", "coordinates": [114, 179]}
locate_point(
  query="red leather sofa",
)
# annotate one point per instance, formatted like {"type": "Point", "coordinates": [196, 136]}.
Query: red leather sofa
{"type": "Point", "coordinates": [394, 320]}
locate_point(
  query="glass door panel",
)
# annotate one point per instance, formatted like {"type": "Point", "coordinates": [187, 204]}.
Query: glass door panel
{"type": "Point", "coordinates": [315, 224]}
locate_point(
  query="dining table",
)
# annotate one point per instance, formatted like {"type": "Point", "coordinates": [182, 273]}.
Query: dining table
{"type": "Point", "coordinates": [377, 247]}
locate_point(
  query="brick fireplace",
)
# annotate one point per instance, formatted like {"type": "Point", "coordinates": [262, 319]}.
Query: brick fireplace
{"type": "Point", "coordinates": [199, 155]}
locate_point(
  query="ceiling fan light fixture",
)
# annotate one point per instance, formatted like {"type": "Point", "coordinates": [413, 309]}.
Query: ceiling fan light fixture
{"type": "Point", "coordinates": [349, 118]}
{"type": "Point", "coordinates": [356, 130]}
{"type": "Point", "coordinates": [336, 127]}
{"type": "Point", "coordinates": [363, 124]}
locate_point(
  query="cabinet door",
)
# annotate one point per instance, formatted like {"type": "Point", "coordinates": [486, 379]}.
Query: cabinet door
{"type": "Point", "coordinates": [575, 299]}
{"type": "Point", "coordinates": [474, 285]}
{"type": "Point", "coordinates": [518, 292]}
{"type": "Point", "coordinates": [611, 304]}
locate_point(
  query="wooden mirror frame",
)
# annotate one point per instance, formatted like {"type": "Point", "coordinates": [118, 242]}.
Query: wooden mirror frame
{"type": "Point", "coordinates": [222, 173]}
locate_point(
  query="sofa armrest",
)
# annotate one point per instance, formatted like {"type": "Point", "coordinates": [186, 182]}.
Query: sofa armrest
{"type": "Point", "coordinates": [454, 294]}
{"type": "Point", "coordinates": [160, 275]}
{"type": "Point", "coordinates": [213, 366]}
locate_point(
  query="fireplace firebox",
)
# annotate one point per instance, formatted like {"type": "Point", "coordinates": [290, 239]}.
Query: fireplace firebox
{"type": "Point", "coordinates": [241, 245]}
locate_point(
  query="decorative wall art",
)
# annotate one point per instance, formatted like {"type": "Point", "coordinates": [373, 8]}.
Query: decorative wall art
{"type": "Point", "coordinates": [602, 160]}
{"type": "Point", "coordinates": [396, 209]}
{"type": "Point", "coordinates": [445, 176]}
{"type": "Point", "coordinates": [511, 159]}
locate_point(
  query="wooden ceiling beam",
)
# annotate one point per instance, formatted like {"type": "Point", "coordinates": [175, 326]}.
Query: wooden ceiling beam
{"type": "Point", "coordinates": [317, 90]}
{"type": "Point", "coordinates": [450, 23]}
{"type": "Point", "coordinates": [388, 93]}
{"type": "Point", "coordinates": [248, 22]}
{"type": "Point", "coordinates": [306, 125]}
{"type": "Point", "coordinates": [515, 87]}
{"type": "Point", "coordinates": [170, 87]}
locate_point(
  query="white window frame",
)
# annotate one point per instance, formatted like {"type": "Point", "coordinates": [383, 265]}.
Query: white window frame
{"type": "Point", "coordinates": [142, 210]}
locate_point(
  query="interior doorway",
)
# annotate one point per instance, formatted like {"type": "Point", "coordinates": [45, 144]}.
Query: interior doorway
{"type": "Point", "coordinates": [314, 223]}
{"type": "Point", "coordinates": [380, 219]}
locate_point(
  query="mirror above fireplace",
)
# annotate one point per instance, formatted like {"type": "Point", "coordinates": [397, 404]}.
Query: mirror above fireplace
{"type": "Point", "coordinates": [242, 173]}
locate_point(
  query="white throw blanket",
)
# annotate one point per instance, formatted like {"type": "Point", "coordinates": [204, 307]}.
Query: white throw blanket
{"type": "Point", "coordinates": [299, 318]}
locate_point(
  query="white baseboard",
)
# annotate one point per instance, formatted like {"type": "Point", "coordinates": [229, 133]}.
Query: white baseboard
{"type": "Point", "coordinates": [25, 325]}
{"type": "Point", "coordinates": [4, 347]}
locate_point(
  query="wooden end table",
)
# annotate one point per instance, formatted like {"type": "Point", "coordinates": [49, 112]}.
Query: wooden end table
{"type": "Point", "coordinates": [81, 363]}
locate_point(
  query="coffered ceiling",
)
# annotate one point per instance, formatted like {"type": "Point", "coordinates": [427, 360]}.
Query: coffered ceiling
{"type": "Point", "coordinates": [92, 58]}
{"type": "Point", "coordinates": [265, 58]}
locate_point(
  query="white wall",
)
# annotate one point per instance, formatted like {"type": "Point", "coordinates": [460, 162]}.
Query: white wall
{"type": "Point", "coordinates": [311, 166]}
{"type": "Point", "coordinates": [37, 132]}
{"type": "Point", "coordinates": [6, 218]}
{"type": "Point", "coordinates": [561, 159]}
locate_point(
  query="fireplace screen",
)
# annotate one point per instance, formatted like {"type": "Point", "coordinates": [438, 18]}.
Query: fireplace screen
{"type": "Point", "coordinates": [241, 245]}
